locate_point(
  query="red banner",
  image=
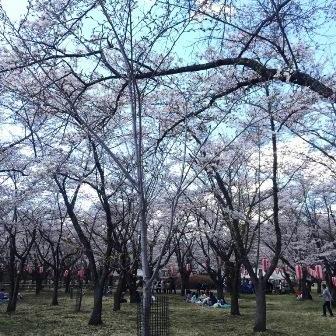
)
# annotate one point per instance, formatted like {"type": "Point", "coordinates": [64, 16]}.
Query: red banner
{"type": "Point", "coordinates": [298, 272]}
{"type": "Point", "coordinates": [81, 273]}
{"type": "Point", "coordinates": [333, 280]}
{"type": "Point", "coordinates": [265, 264]}
{"type": "Point", "coordinates": [29, 269]}
{"type": "Point", "coordinates": [319, 272]}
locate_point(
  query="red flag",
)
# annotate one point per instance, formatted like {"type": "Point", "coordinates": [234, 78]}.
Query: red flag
{"type": "Point", "coordinates": [81, 273]}
{"type": "Point", "coordinates": [319, 272]}
{"type": "Point", "coordinates": [265, 264]}
{"type": "Point", "coordinates": [333, 280]}
{"type": "Point", "coordinates": [188, 267]}
{"type": "Point", "coordinates": [298, 272]}
{"type": "Point", "coordinates": [29, 269]}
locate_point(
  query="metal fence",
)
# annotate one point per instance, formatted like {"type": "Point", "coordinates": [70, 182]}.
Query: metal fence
{"type": "Point", "coordinates": [159, 317]}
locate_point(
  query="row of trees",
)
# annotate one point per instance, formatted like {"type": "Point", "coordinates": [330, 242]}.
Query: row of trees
{"type": "Point", "coordinates": [118, 151]}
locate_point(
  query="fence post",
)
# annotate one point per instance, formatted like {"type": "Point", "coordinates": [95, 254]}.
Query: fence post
{"type": "Point", "coordinates": [159, 317]}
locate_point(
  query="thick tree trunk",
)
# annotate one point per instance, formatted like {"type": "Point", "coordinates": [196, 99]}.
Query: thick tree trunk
{"type": "Point", "coordinates": [11, 307]}
{"type": "Point", "coordinates": [305, 288]}
{"type": "Point", "coordinates": [184, 283]}
{"type": "Point", "coordinates": [232, 271]}
{"type": "Point", "coordinates": [133, 289]}
{"type": "Point", "coordinates": [39, 286]}
{"type": "Point", "coordinates": [220, 291]}
{"type": "Point", "coordinates": [54, 301]}
{"type": "Point", "coordinates": [146, 308]}
{"type": "Point", "coordinates": [235, 286]}
{"type": "Point", "coordinates": [260, 317]}
{"type": "Point", "coordinates": [67, 284]}
{"type": "Point", "coordinates": [96, 314]}
{"type": "Point", "coordinates": [234, 296]}
{"type": "Point", "coordinates": [118, 293]}
{"type": "Point", "coordinates": [12, 272]}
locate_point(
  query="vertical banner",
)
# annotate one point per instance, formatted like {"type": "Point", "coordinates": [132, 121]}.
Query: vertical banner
{"type": "Point", "coordinates": [298, 272]}
{"type": "Point", "coordinates": [319, 272]}
{"type": "Point", "coordinates": [333, 280]}
{"type": "Point", "coordinates": [81, 273]}
{"type": "Point", "coordinates": [265, 264]}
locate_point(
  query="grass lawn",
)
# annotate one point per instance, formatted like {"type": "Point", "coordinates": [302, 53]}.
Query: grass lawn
{"type": "Point", "coordinates": [286, 316]}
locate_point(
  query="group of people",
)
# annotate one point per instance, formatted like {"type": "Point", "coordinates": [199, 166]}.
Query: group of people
{"type": "Point", "coordinates": [206, 298]}
{"type": "Point", "coordinates": [165, 286]}
{"type": "Point", "coordinates": [3, 296]}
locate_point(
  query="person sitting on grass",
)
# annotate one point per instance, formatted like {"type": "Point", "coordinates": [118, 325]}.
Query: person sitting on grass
{"type": "Point", "coordinates": [203, 296]}
{"type": "Point", "coordinates": [188, 296]}
{"type": "Point", "coordinates": [212, 299]}
{"type": "Point", "coordinates": [3, 295]}
{"type": "Point", "coordinates": [203, 299]}
{"type": "Point", "coordinates": [194, 297]}
{"type": "Point", "coordinates": [209, 300]}
{"type": "Point", "coordinates": [221, 303]}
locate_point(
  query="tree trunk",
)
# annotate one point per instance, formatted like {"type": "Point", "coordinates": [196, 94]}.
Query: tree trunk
{"type": "Point", "coordinates": [133, 289]}
{"type": "Point", "coordinates": [232, 271]}
{"type": "Point", "coordinates": [220, 291]}
{"type": "Point", "coordinates": [260, 317]}
{"type": "Point", "coordinates": [95, 318]}
{"type": "Point", "coordinates": [12, 272]}
{"type": "Point", "coordinates": [234, 303]}
{"type": "Point", "coordinates": [305, 287]}
{"type": "Point", "coordinates": [67, 284]}
{"type": "Point", "coordinates": [11, 307]}
{"type": "Point", "coordinates": [54, 301]}
{"type": "Point", "coordinates": [118, 293]}
{"type": "Point", "coordinates": [184, 283]}
{"type": "Point", "coordinates": [38, 287]}
{"type": "Point", "coordinates": [319, 287]}
{"type": "Point", "coordinates": [146, 308]}
{"type": "Point", "coordinates": [235, 286]}
{"type": "Point", "coordinates": [289, 282]}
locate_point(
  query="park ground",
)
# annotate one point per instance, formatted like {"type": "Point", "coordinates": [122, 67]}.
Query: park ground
{"type": "Point", "coordinates": [286, 316]}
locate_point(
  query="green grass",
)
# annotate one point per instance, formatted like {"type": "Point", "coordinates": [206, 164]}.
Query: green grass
{"type": "Point", "coordinates": [286, 316]}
